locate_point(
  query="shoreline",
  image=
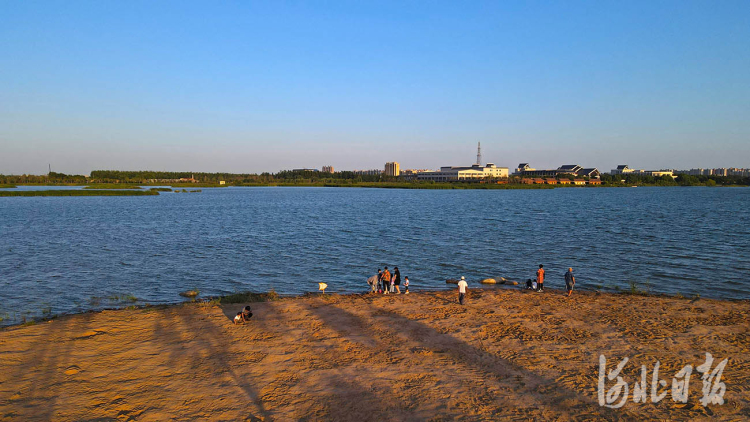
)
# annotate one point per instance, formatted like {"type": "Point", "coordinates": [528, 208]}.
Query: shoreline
{"type": "Point", "coordinates": [274, 296]}
{"type": "Point", "coordinates": [505, 354]}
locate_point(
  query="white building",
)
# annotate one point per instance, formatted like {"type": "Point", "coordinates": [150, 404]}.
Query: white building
{"type": "Point", "coordinates": [624, 169]}
{"type": "Point", "coordinates": [475, 172]}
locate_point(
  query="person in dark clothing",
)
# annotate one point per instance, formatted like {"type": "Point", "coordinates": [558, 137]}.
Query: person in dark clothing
{"type": "Point", "coordinates": [247, 313]}
{"type": "Point", "coordinates": [570, 281]}
{"type": "Point", "coordinates": [380, 281]}
{"type": "Point", "coordinates": [397, 279]}
{"type": "Point", "coordinates": [529, 284]}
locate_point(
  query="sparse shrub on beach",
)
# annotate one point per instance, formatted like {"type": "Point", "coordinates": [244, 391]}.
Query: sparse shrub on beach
{"type": "Point", "coordinates": [128, 297]}
{"type": "Point", "coordinates": [633, 289]}
{"type": "Point", "coordinates": [243, 297]}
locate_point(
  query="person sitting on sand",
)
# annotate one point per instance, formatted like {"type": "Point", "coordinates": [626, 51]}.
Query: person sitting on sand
{"type": "Point", "coordinates": [238, 319]}
{"type": "Point", "coordinates": [529, 285]}
{"type": "Point", "coordinates": [570, 281]}
{"type": "Point", "coordinates": [247, 313]}
{"type": "Point", "coordinates": [540, 278]}
{"type": "Point", "coordinates": [386, 280]}
{"type": "Point", "coordinates": [406, 285]}
{"type": "Point", "coordinates": [462, 286]}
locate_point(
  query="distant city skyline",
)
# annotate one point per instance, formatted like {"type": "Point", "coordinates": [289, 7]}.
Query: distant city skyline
{"type": "Point", "coordinates": [268, 86]}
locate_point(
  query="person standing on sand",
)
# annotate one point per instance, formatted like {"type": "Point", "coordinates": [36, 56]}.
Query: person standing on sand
{"type": "Point", "coordinates": [462, 286]}
{"type": "Point", "coordinates": [540, 278]}
{"type": "Point", "coordinates": [396, 280]}
{"type": "Point", "coordinates": [374, 281]}
{"type": "Point", "coordinates": [406, 285]}
{"type": "Point", "coordinates": [570, 281]}
{"type": "Point", "coordinates": [386, 280]}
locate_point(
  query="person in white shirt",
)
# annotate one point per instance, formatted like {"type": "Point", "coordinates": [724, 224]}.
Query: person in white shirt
{"type": "Point", "coordinates": [462, 286]}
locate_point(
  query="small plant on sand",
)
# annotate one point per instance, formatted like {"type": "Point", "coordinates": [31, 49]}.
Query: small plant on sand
{"type": "Point", "coordinates": [123, 298]}
{"type": "Point", "coordinates": [633, 289]}
{"type": "Point", "coordinates": [679, 295]}
{"type": "Point", "coordinates": [243, 297]}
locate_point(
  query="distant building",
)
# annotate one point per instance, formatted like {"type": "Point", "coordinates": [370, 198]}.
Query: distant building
{"type": "Point", "coordinates": [475, 172]}
{"type": "Point", "coordinates": [373, 172]}
{"type": "Point", "coordinates": [523, 167]}
{"type": "Point", "coordinates": [621, 169]}
{"type": "Point", "coordinates": [411, 174]}
{"type": "Point", "coordinates": [624, 169]}
{"type": "Point", "coordinates": [392, 169]}
{"type": "Point", "coordinates": [525, 170]}
{"type": "Point", "coordinates": [327, 169]}
{"type": "Point", "coordinates": [222, 182]}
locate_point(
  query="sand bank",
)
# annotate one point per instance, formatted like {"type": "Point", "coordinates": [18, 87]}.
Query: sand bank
{"type": "Point", "coordinates": [506, 354]}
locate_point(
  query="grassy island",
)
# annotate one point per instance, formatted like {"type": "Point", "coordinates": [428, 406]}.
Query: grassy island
{"type": "Point", "coordinates": [80, 193]}
{"type": "Point", "coordinates": [111, 186]}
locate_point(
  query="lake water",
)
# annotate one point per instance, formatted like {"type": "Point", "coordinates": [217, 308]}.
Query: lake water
{"type": "Point", "coordinates": [70, 254]}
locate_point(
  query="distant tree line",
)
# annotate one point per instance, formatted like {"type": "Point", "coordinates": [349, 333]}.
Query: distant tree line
{"type": "Point", "coordinates": [337, 178]}
{"type": "Point", "coordinates": [681, 180]}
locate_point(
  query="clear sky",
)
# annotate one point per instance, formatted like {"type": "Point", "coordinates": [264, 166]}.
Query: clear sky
{"type": "Point", "coordinates": [263, 86]}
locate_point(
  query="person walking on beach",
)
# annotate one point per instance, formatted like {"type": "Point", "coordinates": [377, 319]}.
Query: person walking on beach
{"type": "Point", "coordinates": [396, 280]}
{"type": "Point", "coordinates": [570, 281]}
{"type": "Point", "coordinates": [540, 278]}
{"type": "Point", "coordinates": [386, 280]}
{"type": "Point", "coordinates": [406, 285]}
{"type": "Point", "coordinates": [462, 286]}
{"type": "Point", "coordinates": [374, 281]}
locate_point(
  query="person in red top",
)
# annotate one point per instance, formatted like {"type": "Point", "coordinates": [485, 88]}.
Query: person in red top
{"type": "Point", "coordinates": [540, 278]}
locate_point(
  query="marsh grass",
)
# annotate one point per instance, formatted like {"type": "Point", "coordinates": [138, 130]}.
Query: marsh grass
{"type": "Point", "coordinates": [127, 297]}
{"type": "Point", "coordinates": [161, 189]}
{"type": "Point", "coordinates": [243, 297]}
{"type": "Point", "coordinates": [6, 186]}
{"type": "Point", "coordinates": [81, 192]}
{"type": "Point", "coordinates": [112, 186]}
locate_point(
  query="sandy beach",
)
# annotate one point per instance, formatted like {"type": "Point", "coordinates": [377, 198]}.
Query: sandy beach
{"type": "Point", "coordinates": [507, 354]}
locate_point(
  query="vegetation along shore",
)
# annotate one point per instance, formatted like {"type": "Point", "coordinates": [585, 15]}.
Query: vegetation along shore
{"type": "Point", "coordinates": [80, 193]}
{"type": "Point", "coordinates": [106, 179]}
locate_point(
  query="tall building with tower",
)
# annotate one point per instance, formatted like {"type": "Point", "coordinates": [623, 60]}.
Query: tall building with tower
{"type": "Point", "coordinates": [479, 153]}
{"type": "Point", "coordinates": [392, 169]}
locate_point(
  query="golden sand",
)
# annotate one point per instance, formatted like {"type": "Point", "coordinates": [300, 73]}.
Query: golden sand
{"type": "Point", "coordinates": [507, 354]}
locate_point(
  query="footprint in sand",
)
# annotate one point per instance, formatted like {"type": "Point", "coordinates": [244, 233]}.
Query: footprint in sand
{"type": "Point", "coordinates": [72, 370]}
{"type": "Point", "coordinates": [90, 334]}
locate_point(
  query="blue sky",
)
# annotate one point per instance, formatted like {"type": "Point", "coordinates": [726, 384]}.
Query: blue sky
{"type": "Point", "coordinates": [264, 86]}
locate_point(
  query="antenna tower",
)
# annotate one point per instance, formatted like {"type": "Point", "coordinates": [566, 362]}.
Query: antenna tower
{"type": "Point", "coordinates": [479, 153]}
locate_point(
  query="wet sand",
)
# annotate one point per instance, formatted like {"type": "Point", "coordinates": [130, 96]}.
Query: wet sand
{"type": "Point", "coordinates": [507, 354]}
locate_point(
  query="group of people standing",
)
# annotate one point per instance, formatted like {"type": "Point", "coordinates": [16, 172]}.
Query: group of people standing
{"type": "Point", "coordinates": [385, 282]}
{"type": "Point", "coordinates": [570, 280]}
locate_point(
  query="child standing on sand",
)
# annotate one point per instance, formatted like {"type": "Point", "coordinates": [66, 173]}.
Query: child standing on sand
{"type": "Point", "coordinates": [406, 285]}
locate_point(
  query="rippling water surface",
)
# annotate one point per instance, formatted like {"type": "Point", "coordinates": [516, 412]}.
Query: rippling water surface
{"type": "Point", "coordinates": [68, 254]}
